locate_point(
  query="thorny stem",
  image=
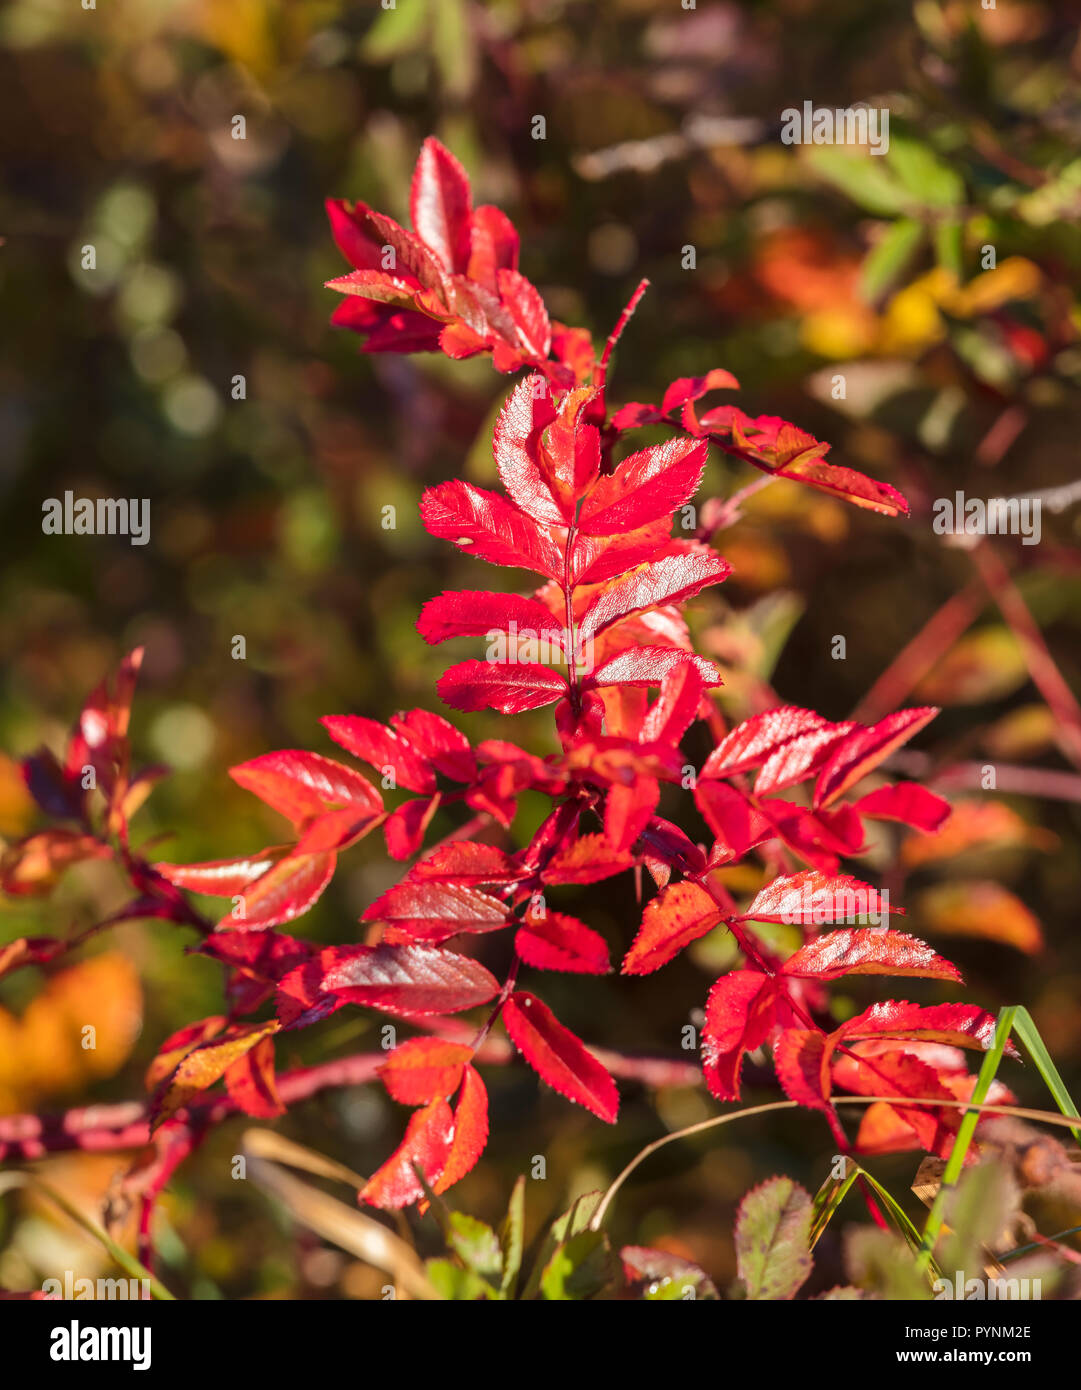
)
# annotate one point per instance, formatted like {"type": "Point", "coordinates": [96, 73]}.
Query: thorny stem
{"type": "Point", "coordinates": [730, 509]}
{"type": "Point", "coordinates": [568, 608]}
{"type": "Point", "coordinates": [601, 372]}
{"type": "Point", "coordinates": [504, 994]}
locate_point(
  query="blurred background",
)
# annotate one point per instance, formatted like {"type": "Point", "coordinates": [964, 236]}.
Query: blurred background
{"type": "Point", "coordinates": [662, 133]}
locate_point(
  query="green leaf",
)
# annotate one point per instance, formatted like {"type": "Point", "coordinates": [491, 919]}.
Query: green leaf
{"type": "Point", "coordinates": [965, 1131]}
{"type": "Point", "coordinates": [476, 1245]}
{"type": "Point", "coordinates": [512, 1237]}
{"type": "Point", "coordinates": [880, 1263]}
{"type": "Point", "coordinates": [949, 246]}
{"type": "Point", "coordinates": [454, 46]}
{"type": "Point", "coordinates": [889, 256]}
{"type": "Point", "coordinates": [459, 1285]}
{"type": "Point", "coordinates": [929, 180]}
{"type": "Point", "coordinates": [575, 1219]}
{"type": "Point", "coordinates": [397, 31]}
{"type": "Point", "coordinates": [581, 1267]}
{"type": "Point", "coordinates": [863, 178]}
{"type": "Point", "coordinates": [773, 1235]}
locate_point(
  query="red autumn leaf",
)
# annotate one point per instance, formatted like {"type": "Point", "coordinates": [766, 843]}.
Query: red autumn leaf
{"type": "Point", "coordinates": [570, 454]}
{"type": "Point", "coordinates": [749, 744]}
{"type": "Point", "coordinates": [866, 952]}
{"type": "Point", "coordinates": [485, 524]}
{"type": "Point", "coordinates": [527, 310]}
{"type": "Point", "coordinates": [424, 1069]}
{"type": "Point", "coordinates": [466, 862]}
{"type": "Point", "coordinates": [408, 979]}
{"type": "Point", "coordinates": [906, 802]}
{"type": "Point", "coordinates": [865, 749]}
{"type": "Point", "coordinates": [287, 890]}
{"type": "Point", "coordinates": [223, 878]}
{"type": "Point", "coordinates": [587, 859]}
{"type": "Point", "coordinates": [436, 739]}
{"type": "Point", "coordinates": [736, 823]}
{"type": "Point", "coordinates": [818, 837]}
{"type": "Point", "coordinates": [676, 708]}
{"type": "Point", "coordinates": [300, 997]}
{"type": "Point", "coordinates": [435, 911]}
{"type": "Point", "coordinates": [404, 828]}
{"type": "Point", "coordinates": [381, 748]}
{"type": "Point", "coordinates": [335, 830]}
{"type": "Point", "coordinates": [897, 1128]}
{"type": "Point", "coordinates": [649, 666]}
{"type": "Point", "coordinates": [645, 487]}
{"type": "Point", "coordinates": [799, 758]}
{"type": "Point", "coordinates": [814, 898]}
{"type": "Point", "coordinates": [470, 1133]}
{"type": "Point", "coordinates": [671, 579]}
{"type": "Point", "coordinates": [31, 867]}
{"type": "Point", "coordinates": [376, 285]}
{"type": "Point", "coordinates": [475, 613]}
{"type": "Point", "coordinates": [251, 1082]}
{"type": "Point", "coordinates": [959, 1025]}
{"type": "Point", "coordinates": [778, 447]}
{"type": "Point", "coordinates": [441, 204]}
{"type": "Point", "coordinates": [29, 950]}
{"type": "Point", "coordinates": [302, 785]}
{"type": "Point", "coordinates": [262, 955]}
{"type": "Point", "coordinates": [801, 1060]}
{"type": "Point", "coordinates": [494, 245]}
{"type": "Point", "coordinates": [558, 1057]}
{"type": "Point", "coordinates": [527, 412]}
{"type": "Point", "coordinates": [595, 559]}
{"type": "Point", "coordinates": [691, 388]}
{"type": "Point", "coordinates": [678, 915]}
{"type": "Point", "coordinates": [740, 1013]}
{"type": "Point", "coordinates": [848, 483]}
{"type": "Point", "coordinates": [628, 808]}
{"type": "Point", "coordinates": [667, 844]}
{"type": "Point", "coordinates": [557, 942]}
{"type": "Point", "coordinates": [509, 687]}
{"type": "Point", "coordinates": [426, 1144]}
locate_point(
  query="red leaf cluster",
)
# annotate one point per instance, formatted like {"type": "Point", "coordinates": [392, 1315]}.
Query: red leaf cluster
{"type": "Point", "coordinates": [600, 636]}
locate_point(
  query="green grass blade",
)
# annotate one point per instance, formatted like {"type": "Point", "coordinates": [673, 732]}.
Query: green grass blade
{"type": "Point", "coordinates": [955, 1162]}
{"type": "Point", "coordinates": [126, 1261]}
{"type": "Point", "coordinates": [828, 1198]}
{"type": "Point", "coordinates": [1029, 1035]}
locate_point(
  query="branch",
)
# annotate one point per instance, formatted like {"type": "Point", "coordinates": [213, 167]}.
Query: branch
{"type": "Point", "coordinates": [126, 1125]}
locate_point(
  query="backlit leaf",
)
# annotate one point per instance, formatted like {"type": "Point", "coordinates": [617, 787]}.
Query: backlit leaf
{"type": "Point", "coordinates": [558, 1057]}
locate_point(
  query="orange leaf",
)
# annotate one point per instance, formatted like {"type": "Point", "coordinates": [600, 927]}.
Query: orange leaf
{"type": "Point", "coordinates": [204, 1065]}
{"type": "Point", "coordinates": [424, 1069]}
{"type": "Point", "coordinates": [470, 1131]}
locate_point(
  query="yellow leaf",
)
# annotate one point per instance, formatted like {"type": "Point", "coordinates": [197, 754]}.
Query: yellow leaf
{"type": "Point", "coordinates": [980, 908]}
{"type": "Point", "coordinates": [79, 1028]}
